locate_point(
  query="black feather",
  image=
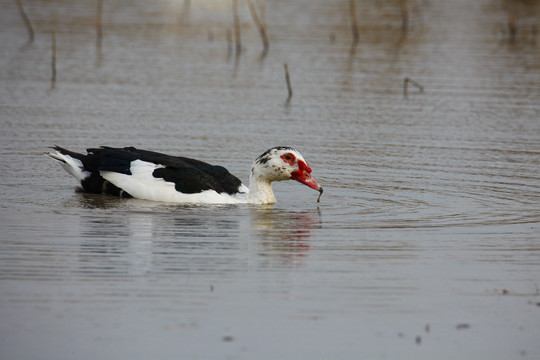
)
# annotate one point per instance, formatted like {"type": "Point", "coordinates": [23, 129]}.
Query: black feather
{"type": "Point", "coordinates": [265, 156]}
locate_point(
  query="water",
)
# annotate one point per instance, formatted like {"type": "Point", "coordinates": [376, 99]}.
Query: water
{"type": "Point", "coordinates": [426, 240]}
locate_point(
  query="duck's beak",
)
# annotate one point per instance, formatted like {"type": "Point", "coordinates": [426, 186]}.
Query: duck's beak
{"type": "Point", "coordinates": [303, 175]}
{"type": "Point", "coordinates": [305, 178]}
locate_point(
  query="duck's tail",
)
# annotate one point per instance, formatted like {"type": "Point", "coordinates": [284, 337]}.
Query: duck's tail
{"type": "Point", "coordinates": [70, 161]}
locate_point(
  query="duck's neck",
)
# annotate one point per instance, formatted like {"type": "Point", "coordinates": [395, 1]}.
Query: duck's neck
{"type": "Point", "coordinates": [260, 191]}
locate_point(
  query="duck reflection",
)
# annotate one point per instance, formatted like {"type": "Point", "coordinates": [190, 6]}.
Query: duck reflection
{"type": "Point", "coordinates": [283, 233]}
{"type": "Point", "coordinates": [96, 201]}
{"type": "Point", "coordinates": [129, 236]}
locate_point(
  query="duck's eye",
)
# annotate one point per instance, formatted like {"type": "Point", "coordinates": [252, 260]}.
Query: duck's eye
{"type": "Point", "coordinates": [288, 158]}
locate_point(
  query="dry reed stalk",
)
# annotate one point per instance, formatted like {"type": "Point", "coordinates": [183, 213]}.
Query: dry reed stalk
{"type": "Point", "coordinates": [288, 81]}
{"type": "Point", "coordinates": [99, 32]}
{"type": "Point", "coordinates": [406, 82]}
{"type": "Point", "coordinates": [404, 15]}
{"type": "Point", "coordinates": [99, 23]}
{"type": "Point", "coordinates": [53, 60]}
{"type": "Point", "coordinates": [237, 33]}
{"type": "Point", "coordinates": [354, 22]}
{"type": "Point", "coordinates": [512, 28]}
{"type": "Point", "coordinates": [260, 25]}
{"type": "Point", "coordinates": [184, 13]}
{"type": "Point", "coordinates": [26, 21]}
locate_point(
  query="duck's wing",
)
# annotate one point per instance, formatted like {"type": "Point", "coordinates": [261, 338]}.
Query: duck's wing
{"type": "Point", "coordinates": [189, 176]}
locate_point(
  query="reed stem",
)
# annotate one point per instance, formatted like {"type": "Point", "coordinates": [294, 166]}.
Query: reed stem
{"type": "Point", "coordinates": [237, 32]}
{"type": "Point", "coordinates": [99, 32]}
{"type": "Point", "coordinates": [354, 22]}
{"type": "Point", "coordinates": [261, 26]}
{"type": "Point", "coordinates": [512, 28]}
{"type": "Point", "coordinates": [26, 21]}
{"type": "Point", "coordinates": [406, 82]}
{"type": "Point", "coordinates": [99, 23]}
{"type": "Point", "coordinates": [404, 16]}
{"type": "Point", "coordinates": [288, 81]}
{"type": "Point", "coordinates": [53, 60]}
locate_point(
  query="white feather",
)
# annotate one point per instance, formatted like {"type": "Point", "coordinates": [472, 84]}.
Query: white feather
{"type": "Point", "coordinates": [143, 185]}
{"type": "Point", "coordinates": [73, 166]}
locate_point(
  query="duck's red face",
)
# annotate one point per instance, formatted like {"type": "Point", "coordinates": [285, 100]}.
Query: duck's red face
{"type": "Point", "coordinates": [303, 173]}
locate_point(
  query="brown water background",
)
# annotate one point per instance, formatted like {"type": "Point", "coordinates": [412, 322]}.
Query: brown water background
{"type": "Point", "coordinates": [426, 243]}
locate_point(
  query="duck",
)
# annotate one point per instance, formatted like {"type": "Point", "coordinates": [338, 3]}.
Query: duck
{"type": "Point", "coordinates": [149, 175]}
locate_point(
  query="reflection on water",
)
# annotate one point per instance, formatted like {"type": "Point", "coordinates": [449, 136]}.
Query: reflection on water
{"type": "Point", "coordinates": [430, 208]}
{"type": "Point", "coordinates": [283, 234]}
{"type": "Point", "coordinates": [118, 237]}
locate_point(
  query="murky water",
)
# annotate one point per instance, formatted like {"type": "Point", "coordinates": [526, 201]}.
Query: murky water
{"type": "Point", "coordinates": [425, 243]}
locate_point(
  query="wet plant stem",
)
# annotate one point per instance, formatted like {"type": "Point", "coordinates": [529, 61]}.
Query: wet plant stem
{"type": "Point", "coordinates": [53, 60]}
{"type": "Point", "coordinates": [406, 82]}
{"type": "Point", "coordinates": [99, 23]}
{"type": "Point", "coordinates": [354, 22]}
{"type": "Point", "coordinates": [288, 81]}
{"type": "Point", "coordinates": [237, 32]}
{"type": "Point", "coordinates": [260, 25]}
{"type": "Point", "coordinates": [512, 28]}
{"type": "Point", "coordinates": [99, 32]}
{"type": "Point", "coordinates": [26, 21]}
{"type": "Point", "coordinates": [404, 16]}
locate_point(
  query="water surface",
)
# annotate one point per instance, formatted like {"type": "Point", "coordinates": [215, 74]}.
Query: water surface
{"type": "Point", "coordinates": [426, 240]}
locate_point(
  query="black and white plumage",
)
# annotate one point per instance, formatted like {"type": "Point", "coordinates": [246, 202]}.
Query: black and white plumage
{"type": "Point", "coordinates": [149, 175]}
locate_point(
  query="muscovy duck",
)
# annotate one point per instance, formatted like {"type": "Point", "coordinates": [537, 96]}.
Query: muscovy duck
{"type": "Point", "coordinates": [149, 175]}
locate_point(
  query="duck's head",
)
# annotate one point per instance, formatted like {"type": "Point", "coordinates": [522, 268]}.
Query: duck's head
{"type": "Point", "coordinates": [283, 163]}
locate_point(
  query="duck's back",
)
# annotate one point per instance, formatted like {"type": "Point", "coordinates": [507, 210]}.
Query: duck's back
{"type": "Point", "coordinates": [155, 176]}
